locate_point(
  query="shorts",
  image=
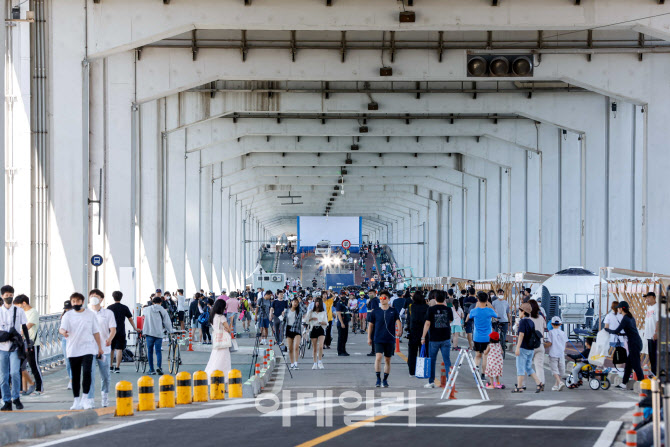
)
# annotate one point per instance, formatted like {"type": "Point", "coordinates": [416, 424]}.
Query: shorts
{"type": "Point", "coordinates": [195, 324]}
{"type": "Point", "coordinates": [291, 334]}
{"type": "Point", "coordinates": [363, 315]}
{"type": "Point", "coordinates": [265, 323]}
{"type": "Point", "coordinates": [456, 329]}
{"type": "Point", "coordinates": [317, 332]}
{"type": "Point", "coordinates": [247, 316]}
{"type": "Point", "coordinates": [385, 348]}
{"type": "Point", "coordinates": [481, 346]}
{"type": "Point", "coordinates": [614, 344]}
{"type": "Point", "coordinates": [180, 316]}
{"type": "Point", "coordinates": [469, 326]}
{"type": "Point", "coordinates": [524, 362]}
{"type": "Point", "coordinates": [119, 342]}
{"type": "Point", "coordinates": [557, 365]}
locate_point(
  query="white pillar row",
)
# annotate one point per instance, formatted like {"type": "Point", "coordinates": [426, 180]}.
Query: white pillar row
{"type": "Point", "coordinates": [444, 236]}
{"type": "Point", "coordinates": [239, 220]}
{"type": "Point", "coordinates": [192, 220]}
{"type": "Point", "coordinates": [432, 228]}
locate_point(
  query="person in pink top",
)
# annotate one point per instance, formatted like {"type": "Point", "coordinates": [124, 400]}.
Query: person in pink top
{"type": "Point", "coordinates": [233, 310]}
{"type": "Point", "coordinates": [223, 296]}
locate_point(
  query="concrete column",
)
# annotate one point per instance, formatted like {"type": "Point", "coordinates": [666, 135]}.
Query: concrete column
{"type": "Point", "coordinates": [192, 215]}
{"type": "Point", "coordinates": [150, 181]}
{"type": "Point", "coordinates": [444, 253]}
{"type": "Point", "coordinates": [217, 235]}
{"type": "Point", "coordinates": [225, 239]}
{"type": "Point", "coordinates": [206, 194]}
{"type": "Point", "coordinates": [68, 142]}
{"type": "Point", "coordinates": [119, 223]}
{"type": "Point", "coordinates": [175, 166]}
{"type": "Point", "coordinates": [432, 230]}
{"type": "Point", "coordinates": [240, 245]}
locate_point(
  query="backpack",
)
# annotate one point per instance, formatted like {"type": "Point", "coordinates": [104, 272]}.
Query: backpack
{"type": "Point", "coordinates": [535, 339]}
{"type": "Point", "coordinates": [204, 316]}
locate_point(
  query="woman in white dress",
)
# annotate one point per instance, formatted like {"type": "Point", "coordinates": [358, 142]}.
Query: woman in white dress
{"type": "Point", "coordinates": [220, 357]}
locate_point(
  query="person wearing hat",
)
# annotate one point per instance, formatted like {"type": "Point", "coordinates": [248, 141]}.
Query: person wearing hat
{"type": "Point", "coordinates": [524, 351]}
{"type": "Point", "coordinates": [556, 346]}
{"type": "Point", "coordinates": [651, 330]}
{"type": "Point", "coordinates": [67, 306]}
{"type": "Point", "coordinates": [628, 328]}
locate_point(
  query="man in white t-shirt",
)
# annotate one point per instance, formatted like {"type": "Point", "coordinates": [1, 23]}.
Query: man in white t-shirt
{"type": "Point", "coordinates": [612, 321]}
{"type": "Point", "coordinates": [10, 365]}
{"type": "Point", "coordinates": [651, 330]}
{"type": "Point", "coordinates": [107, 325]}
{"type": "Point", "coordinates": [33, 348]}
{"type": "Point", "coordinates": [181, 307]}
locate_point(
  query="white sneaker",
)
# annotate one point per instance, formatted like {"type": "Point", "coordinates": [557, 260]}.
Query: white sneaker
{"type": "Point", "coordinates": [69, 385]}
{"type": "Point", "coordinates": [429, 385]}
{"type": "Point", "coordinates": [87, 403]}
{"type": "Point", "coordinates": [296, 366]}
{"type": "Point", "coordinates": [76, 405]}
{"type": "Point", "coordinates": [320, 365]}
{"type": "Point", "coordinates": [554, 388]}
{"type": "Point", "coordinates": [105, 400]}
{"type": "Point", "coordinates": [314, 366]}
{"type": "Point", "coordinates": [561, 386]}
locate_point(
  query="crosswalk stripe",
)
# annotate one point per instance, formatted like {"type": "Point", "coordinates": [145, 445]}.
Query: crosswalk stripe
{"type": "Point", "coordinates": [469, 412]}
{"type": "Point", "coordinates": [244, 400]}
{"type": "Point", "coordinates": [616, 405]}
{"type": "Point", "coordinates": [383, 410]}
{"type": "Point", "coordinates": [553, 413]}
{"type": "Point", "coordinates": [210, 412]}
{"type": "Point", "coordinates": [541, 403]}
{"type": "Point", "coordinates": [461, 402]}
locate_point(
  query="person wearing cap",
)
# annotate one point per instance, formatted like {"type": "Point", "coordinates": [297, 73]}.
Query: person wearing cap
{"type": "Point", "coordinates": [628, 328]}
{"type": "Point", "coordinates": [524, 351]}
{"type": "Point", "coordinates": [651, 330]}
{"type": "Point", "coordinates": [556, 346]}
{"type": "Point", "coordinates": [67, 306]}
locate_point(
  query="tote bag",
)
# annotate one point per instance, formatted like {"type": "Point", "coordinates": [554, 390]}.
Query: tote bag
{"type": "Point", "coordinates": [422, 365]}
{"type": "Point", "coordinates": [222, 340]}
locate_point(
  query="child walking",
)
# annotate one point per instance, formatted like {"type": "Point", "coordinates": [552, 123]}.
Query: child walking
{"type": "Point", "coordinates": [494, 362]}
{"type": "Point", "coordinates": [556, 347]}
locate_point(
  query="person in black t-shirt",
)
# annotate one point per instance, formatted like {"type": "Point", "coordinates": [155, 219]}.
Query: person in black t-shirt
{"type": "Point", "coordinates": [524, 351]}
{"type": "Point", "coordinates": [121, 312]}
{"type": "Point", "coordinates": [438, 321]}
{"type": "Point", "coordinates": [469, 303]}
{"type": "Point", "coordinates": [384, 324]}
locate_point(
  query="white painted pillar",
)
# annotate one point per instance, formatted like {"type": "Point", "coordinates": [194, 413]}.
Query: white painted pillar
{"type": "Point", "coordinates": [432, 229]}
{"type": "Point", "coordinates": [226, 264]}
{"type": "Point", "coordinates": [192, 215]}
{"type": "Point", "coordinates": [444, 253]}
{"type": "Point", "coordinates": [206, 194]}
{"type": "Point", "coordinates": [68, 141]}
{"type": "Point", "coordinates": [175, 252]}
{"type": "Point", "coordinates": [217, 235]}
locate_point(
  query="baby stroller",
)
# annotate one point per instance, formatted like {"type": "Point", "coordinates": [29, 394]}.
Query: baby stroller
{"type": "Point", "coordinates": [595, 376]}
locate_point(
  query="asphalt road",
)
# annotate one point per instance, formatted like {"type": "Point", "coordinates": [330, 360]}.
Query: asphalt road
{"type": "Point", "coordinates": [318, 407]}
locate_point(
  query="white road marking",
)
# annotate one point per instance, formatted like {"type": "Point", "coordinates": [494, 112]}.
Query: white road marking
{"type": "Point", "coordinates": [210, 412]}
{"type": "Point", "coordinates": [622, 405]}
{"type": "Point", "coordinates": [608, 435]}
{"type": "Point", "coordinates": [92, 433]}
{"type": "Point", "coordinates": [469, 412]}
{"type": "Point", "coordinates": [540, 403]}
{"type": "Point", "coordinates": [553, 413]}
{"type": "Point", "coordinates": [461, 402]}
{"type": "Point", "coordinates": [514, 427]}
{"type": "Point", "coordinates": [383, 410]}
{"type": "Point", "coordinates": [244, 400]}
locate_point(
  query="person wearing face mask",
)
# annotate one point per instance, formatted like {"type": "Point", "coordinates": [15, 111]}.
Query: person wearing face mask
{"type": "Point", "coordinates": [107, 324]}
{"type": "Point", "coordinates": [11, 320]}
{"type": "Point", "coordinates": [80, 328]}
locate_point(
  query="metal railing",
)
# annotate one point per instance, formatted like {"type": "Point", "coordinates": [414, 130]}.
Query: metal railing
{"type": "Point", "coordinates": [51, 354]}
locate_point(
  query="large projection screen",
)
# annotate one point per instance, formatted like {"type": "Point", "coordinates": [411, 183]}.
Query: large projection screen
{"type": "Point", "coordinates": [313, 229]}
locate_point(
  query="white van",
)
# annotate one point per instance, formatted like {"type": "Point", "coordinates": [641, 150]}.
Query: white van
{"type": "Point", "coordinates": [322, 248]}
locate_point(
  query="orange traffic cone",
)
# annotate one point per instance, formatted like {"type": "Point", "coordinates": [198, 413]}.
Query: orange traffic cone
{"type": "Point", "coordinates": [397, 342]}
{"type": "Point", "coordinates": [443, 377]}
{"type": "Point", "coordinates": [190, 339]}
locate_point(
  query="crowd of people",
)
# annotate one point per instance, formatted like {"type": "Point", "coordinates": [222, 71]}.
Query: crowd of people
{"type": "Point", "coordinates": [93, 337]}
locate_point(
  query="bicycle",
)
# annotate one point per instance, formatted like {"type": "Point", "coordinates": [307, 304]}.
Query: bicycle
{"type": "Point", "coordinates": [174, 354]}
{"type": "Point", "coordinates": [141, 356]}
{"type": "Point", "coordinates": [305, 342]}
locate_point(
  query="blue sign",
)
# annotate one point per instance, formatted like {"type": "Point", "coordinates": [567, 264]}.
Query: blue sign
{"type": "Point", "coordinates": [96, 260]}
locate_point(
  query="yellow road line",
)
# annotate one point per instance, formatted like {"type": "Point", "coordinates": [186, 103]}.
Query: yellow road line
{"type": "Point", "coordinates": [339, 431]}
{"type": "Point", "coordinates": [402, 356]}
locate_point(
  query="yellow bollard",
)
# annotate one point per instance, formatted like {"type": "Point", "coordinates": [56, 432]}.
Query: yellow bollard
{"type": "Point", "coordinates": [124, 399]}
{"type": "Point", "coordinates": [200, 386]}
{"type": "Point", "coordinates": [234, 383]}
{"type": "Point", "coordinates": [217, 388]}
{"type": "Point", "coordinates": [166, 391]}
{"type": "Point", "coordinates": [145, 394]}
{"type": "Point", "coordinates": [183, 388]}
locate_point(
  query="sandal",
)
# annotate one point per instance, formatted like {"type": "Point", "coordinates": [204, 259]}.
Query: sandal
{"type": "Point", "coordinates": [539, 388]}
{"type": "Point", "coordinates": [517, 389]}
